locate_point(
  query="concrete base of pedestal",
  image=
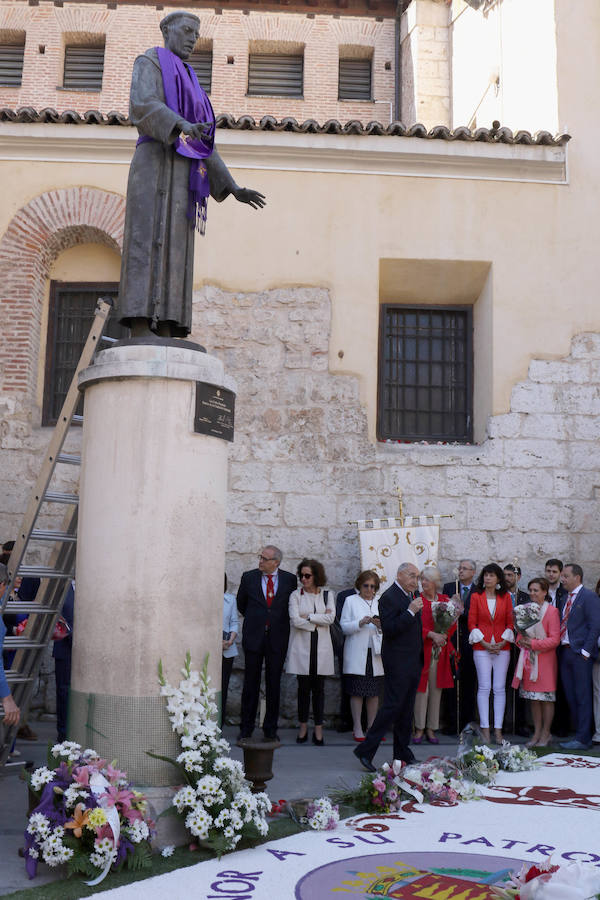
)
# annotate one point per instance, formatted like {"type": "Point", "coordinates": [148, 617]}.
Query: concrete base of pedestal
{"type": "Point", "coordinates": [170, 828]}
{"type": "Point", "coordinates": [150, 553]}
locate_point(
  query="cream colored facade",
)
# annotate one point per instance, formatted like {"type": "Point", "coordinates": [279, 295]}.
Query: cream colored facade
{"type": "Point", "coordinates": [290, 298]}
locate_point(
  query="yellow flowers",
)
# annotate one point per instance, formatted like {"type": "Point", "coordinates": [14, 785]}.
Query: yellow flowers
{"type": "Point", "coordinates": [96, 817]}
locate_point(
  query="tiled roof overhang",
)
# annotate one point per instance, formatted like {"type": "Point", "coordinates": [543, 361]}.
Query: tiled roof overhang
{"type": "Point", "coordinates": [496, 134]}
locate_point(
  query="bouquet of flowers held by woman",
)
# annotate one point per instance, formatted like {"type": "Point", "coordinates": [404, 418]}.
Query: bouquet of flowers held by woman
{"type": "Point", "coordinates": [88, 816]}
{"type": "Point", "coordinates": [215, 801]}
{"type": "Point", "coordinates": [527, 618]}
{"type": "Point", "coordinates": [525, 615]}
{"type": "Point", "coordinates": [445, 613]}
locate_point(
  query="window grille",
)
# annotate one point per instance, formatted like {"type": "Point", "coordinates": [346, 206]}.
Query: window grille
{"type": "Point", "coordinates": [11, 64]}
{"type": "Point", "coordinates": [425, 373]}
{"type": "Point", "coordinates": [70, 318]}
{"type": "Point", "coordinates": [355, 79]}
{"type": "Point", "coordinates": [84, 67]}
{"type": "Point", "coordinates": [275, 75]}
{"type": "Point", "coordinates": [201, 63]}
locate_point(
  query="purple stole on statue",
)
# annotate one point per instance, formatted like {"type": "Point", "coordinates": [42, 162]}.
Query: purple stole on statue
{"type": "Point", "coordinates": [185, 96]}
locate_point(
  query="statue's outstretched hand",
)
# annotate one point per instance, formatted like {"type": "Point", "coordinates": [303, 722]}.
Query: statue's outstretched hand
{"type": "Point", "coordinates": [253, 198]}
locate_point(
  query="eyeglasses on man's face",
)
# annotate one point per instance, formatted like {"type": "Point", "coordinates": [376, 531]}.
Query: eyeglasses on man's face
{"type": "Point", "coordinates": [266, 558]}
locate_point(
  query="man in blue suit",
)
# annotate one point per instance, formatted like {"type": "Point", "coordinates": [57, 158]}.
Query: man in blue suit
{"type": "Point", "coordinates": [262, 599]}
{"type": "Point", "coordinates": [579, 631]}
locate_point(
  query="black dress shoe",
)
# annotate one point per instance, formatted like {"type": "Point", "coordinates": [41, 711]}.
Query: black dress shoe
{"type": "Point", "coordinates": [318, 741]}
{"type": "Point", "coordinates": [270, 736]}
{"type": "Point", "coordinates": [244, 735]}
{"type": "Point", "coordinates": [366, 763]}
{"type": "Point", "coordinates": [409, 758]}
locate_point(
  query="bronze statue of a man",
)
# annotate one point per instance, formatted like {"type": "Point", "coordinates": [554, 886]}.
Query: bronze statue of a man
{"type": "Point", "coordinates": [174, 169]}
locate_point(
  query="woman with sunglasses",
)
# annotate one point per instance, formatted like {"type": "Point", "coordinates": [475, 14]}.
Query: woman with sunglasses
{"type": "Point", "coordinates": [363, 669]}
{"type": "Point", "coordinates": [310, 656]}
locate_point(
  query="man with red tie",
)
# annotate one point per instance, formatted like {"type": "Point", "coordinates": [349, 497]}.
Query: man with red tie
{"type": "Point", "coordinates": [579, 631]}
{"type": "Point", "coordinates": [262, 599]}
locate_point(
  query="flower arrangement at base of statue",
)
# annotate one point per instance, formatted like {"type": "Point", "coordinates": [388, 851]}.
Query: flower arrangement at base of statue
{"type": "Point", "coordinates": [545, 881]}
{"type": "Point", "coordinates": [383, 791]}
{"type": "Point", "coordinates": [320, 814]}
{"type": "Point", "coordinates": [515, 758]}
{"type": "Point", "coordinates": [215, 802]}
{"type": "Point", "coordinates": [88, 816]}
{"type": "Point", "coordinates": [479, 764]}
{"type": "Point", "coordinates": [445, 613]}
{"type": "Point", "coordinates": [440, 782]}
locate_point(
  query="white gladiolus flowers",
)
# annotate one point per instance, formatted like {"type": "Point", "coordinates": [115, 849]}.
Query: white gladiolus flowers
{"type": "Point", "coordinates": [216, 803]}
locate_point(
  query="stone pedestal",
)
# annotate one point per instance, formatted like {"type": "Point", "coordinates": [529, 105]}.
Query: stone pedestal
{"type": "Point", "coordinates": [151, 550]}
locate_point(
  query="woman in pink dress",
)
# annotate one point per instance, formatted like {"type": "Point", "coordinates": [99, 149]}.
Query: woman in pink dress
{"type": "Point", "coordinates": [539, 665]}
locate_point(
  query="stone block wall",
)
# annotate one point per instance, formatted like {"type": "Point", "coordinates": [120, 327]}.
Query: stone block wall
{"type": "Point", "coordinates": [302, 465]}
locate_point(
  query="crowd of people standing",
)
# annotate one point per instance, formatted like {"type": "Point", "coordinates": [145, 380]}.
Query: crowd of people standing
{"type": "Point", "coordinates": [402, 675]}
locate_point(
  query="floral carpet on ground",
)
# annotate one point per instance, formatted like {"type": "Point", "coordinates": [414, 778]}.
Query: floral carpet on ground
{"type": "Point", "coordinates": [441, 852]}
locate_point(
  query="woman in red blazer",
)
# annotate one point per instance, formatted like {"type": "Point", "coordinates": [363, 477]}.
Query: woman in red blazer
{"type": "Point", "coordinates": [436, 674]}
{"type": "Point", "coordinates": [491, 633]}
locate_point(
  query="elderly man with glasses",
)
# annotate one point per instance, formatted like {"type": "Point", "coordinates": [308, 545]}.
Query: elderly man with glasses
{"type": "Point", "coordinates": [262, 599]}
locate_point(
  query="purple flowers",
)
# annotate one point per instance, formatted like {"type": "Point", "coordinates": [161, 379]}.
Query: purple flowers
{"type": "Point", "coordinates": [83, 806]}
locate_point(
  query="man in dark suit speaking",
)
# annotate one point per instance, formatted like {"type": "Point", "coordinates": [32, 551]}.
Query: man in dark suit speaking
{"type": "Point", "coordinates": [262, 599]}
{"type": "Point", "coordinates": [402, 657]}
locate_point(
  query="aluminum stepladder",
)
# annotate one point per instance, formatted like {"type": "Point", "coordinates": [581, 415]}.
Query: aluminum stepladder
{"type": "Point", "coordinates": [55, 578]}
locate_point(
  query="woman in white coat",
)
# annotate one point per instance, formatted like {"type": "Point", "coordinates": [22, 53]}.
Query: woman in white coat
{"type": "Point", "coordinates": [363, 669]}
{"type": "Point", "coordinates": [310, 654]}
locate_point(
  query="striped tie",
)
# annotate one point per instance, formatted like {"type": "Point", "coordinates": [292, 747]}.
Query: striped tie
{"type": "Point", "coordinates": [566, 611]}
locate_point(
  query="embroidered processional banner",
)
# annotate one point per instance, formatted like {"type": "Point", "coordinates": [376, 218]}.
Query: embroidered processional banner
{"type": "Point", "coordinates": [386, 543]}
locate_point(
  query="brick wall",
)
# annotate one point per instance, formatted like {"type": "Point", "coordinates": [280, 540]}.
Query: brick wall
{"type": "Point", "coordinates": [40, 231]}
{"type": "Point", "coordinates": [130, 30]}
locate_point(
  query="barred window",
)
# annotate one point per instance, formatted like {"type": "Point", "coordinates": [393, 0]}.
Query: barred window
{"type": "Point", "coordinates": [201, 63]}
{"type": "Point", "coordinates": [354, 79]}
{"type": "Point", "coordinates": [11, 64]}
{"type": "Point", "coordinates": [84, 68]}
{"type": "Point", "coordinates": [425, 373]}
{"type": "Point", "coordinates": [70, 317]}
{"type": "Point", "coordinates": [275, 75]}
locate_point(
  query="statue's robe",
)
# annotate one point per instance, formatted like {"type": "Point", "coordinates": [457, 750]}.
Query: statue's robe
{"type": "Point", "coordinates": [158, 247]}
